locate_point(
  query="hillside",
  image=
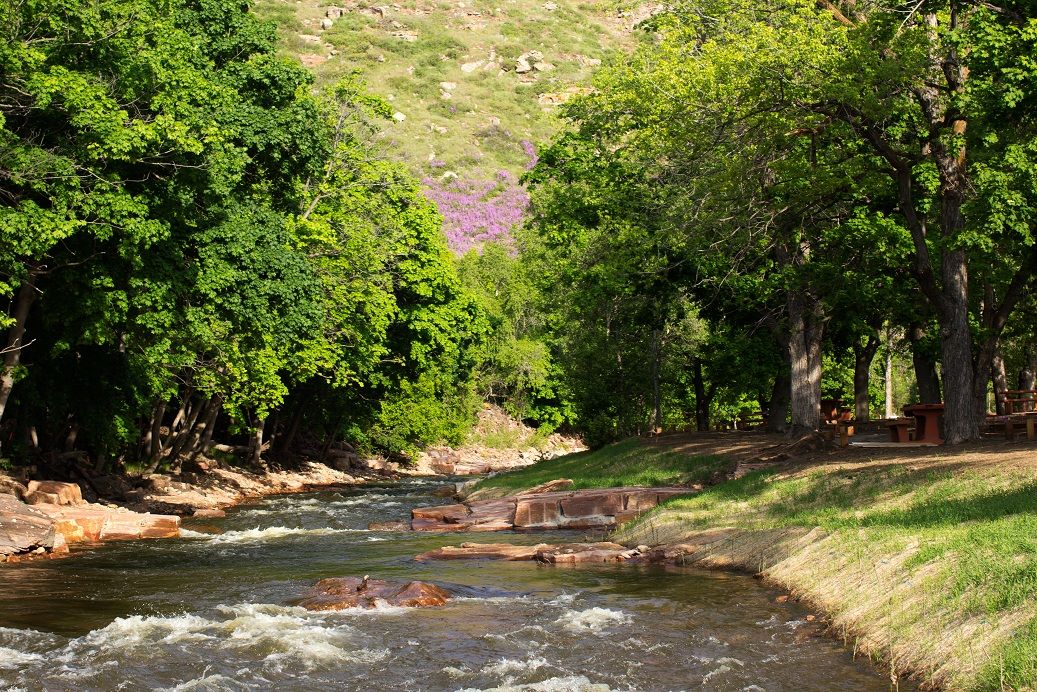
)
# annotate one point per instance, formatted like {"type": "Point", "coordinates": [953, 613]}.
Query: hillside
{"type": "Point", "coordinates": [474, 84]}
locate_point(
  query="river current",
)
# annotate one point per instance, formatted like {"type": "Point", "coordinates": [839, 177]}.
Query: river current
{"type": "Point", "coordinates": [215, 610]}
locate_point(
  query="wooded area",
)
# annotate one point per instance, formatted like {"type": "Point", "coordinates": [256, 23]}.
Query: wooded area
{"type": "Point", "coordinates": [196, 244]}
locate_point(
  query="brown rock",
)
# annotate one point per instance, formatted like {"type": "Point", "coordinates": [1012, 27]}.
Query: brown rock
{"type": "Point", "coordinates": [444, 513]}
{"type": "Point", "coordinates": [590, 504]}
{"type": "Point", "coordinates": [483, 551]}
{"type": "Point", "coordinates": [353, 592]}
{"type": "Point", "coordinates": [24, 529]}
{"type": "Point", "coordinates": [209, 514]}
{"type": "Point", "coordinates": [537, 513]}
{"type": "Point", "coordinates": [53, 492]}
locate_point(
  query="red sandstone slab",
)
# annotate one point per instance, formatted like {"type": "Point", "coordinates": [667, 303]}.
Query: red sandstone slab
{"type": "Point", "coordinates": [354, 592]}
{"type": "Point", "coordinates": [592, 504]}
{"type": "Point", "coordinates": [441, 513]}
{"type": "Point", "coordinates": [537, 513]}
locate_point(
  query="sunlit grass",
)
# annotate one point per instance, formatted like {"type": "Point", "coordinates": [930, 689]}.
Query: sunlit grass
{"type": "Point", "coordinates": [974, 530]}
{"type": "Point", "coordinates": [628, 463]}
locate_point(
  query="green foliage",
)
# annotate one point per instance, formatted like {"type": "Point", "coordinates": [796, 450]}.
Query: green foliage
{"type": "Point", "coordinates": [200, 231]}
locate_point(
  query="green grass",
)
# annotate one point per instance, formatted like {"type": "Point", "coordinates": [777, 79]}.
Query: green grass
{"type": "Point", "coordinates": [970, 533]}
{"type": "Point", "coordinates": [409, 73]}
{"type": "Point", "coordinates": [628, 463]}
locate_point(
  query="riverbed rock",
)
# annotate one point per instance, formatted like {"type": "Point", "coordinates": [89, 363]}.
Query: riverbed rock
{"type": "Point", "coordinates": [24, 529]}
{"type": "Point", "coordinates": [53, 493]}
{"type": "Point", "coordinates": [340, 593]}
{"type": "Point", "coordinates": [542, 552]}
{"type": "Point", "coordinates": [576, 509]}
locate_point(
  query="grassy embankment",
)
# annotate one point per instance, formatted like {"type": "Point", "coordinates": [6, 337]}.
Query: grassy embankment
{"type": "Point", "coordinates": [927, 561]}
{"type": "Point", "coordinates": [628, 463]}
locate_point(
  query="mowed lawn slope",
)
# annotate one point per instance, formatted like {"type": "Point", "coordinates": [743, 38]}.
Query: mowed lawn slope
{"type": "Point", "coordinates": [632, 462]}
{"type": "Point", "coordinates": [927, 560]}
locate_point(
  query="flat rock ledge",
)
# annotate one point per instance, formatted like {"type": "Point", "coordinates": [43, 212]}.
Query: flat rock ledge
{"type": "Point", "coordinates": [579, 553]}
{"type": "Point", "coordinates": [58, 516]}
{"type": "Point", "coordinates": [573, 509]}
{"type": "Point", "coordinates": [340, 593]}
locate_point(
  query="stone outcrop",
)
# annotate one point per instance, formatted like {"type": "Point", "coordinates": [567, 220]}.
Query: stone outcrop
{"type": "Point", "coordinates": [339, 593]}
{"type": "Point", "coordinates": [687, 552]}
{"type": "Point", "coordinates": [53, 493]}
{"type": "Point", "coordinates": [564, 553]}
{"type": "Point", "coordinates": [58, 516]}
{"type": "Point", "coordinates": [578, 509]}
{"type": "Point", "coordinates": [25, 530]}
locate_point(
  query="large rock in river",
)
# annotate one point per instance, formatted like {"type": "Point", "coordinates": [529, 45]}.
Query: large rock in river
{"type": "Point", "coordinates": [25, 530]}
{"type": "Point", "coordinates": [339, 593]}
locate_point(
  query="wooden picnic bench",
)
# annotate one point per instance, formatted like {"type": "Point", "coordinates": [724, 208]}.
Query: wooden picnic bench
{"type": "Point", "coordinates": [1023, 399]}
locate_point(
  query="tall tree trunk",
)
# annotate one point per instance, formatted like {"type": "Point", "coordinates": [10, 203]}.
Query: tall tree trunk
{"type": "Point", "coordinates": [781, 397]}
{"type": "Point", "coordinates": [805, 335]}
{"type": "Point", "coordinates": [1028, 374]}
{"type": "Point", "coordinates": [863, 355]}
{"type": "Point", "coordinates": [12, 351]}
{"type": "Point", "coordinates": [657, 402]}
{"type": "Point", "coordinates": [702, 397]}
{"type": "Point", "coordinates": [999, 378]}
{"type": "Point", "coordinates": [925, 369]}
{"type": "Point", "coordinates": [890, 413]}
{"type": "Point", "coordinates": [212, 412]}
{"type": "Point", "coordinates": [256, 444]}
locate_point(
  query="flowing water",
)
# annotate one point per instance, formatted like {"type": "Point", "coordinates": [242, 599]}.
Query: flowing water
{"type": "Point", "coordinates": [214, 611]}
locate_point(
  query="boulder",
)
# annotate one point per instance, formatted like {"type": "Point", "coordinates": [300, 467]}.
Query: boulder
{"type": "Point", "coordinates": [326, 23]}
{"type": "Point", "coordinates": [340, 593]}
{"type": "Point", "coordinates": [53, 493]}
{"type": "Point", "coordinates": [23, 529]}
{"type": "Point", "coordinates": [563, 553]}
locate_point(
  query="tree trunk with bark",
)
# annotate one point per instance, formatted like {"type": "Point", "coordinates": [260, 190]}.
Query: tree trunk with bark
{"type": "Point", "coordinates": [927, 378]}
{"type": "Point", "coordinates": [15, 343]}
{"type": "Point", "coordinates": [806, 329]}
{"type": "Point", "coordinates": [999, 379]}
{"type": "Point", "coordinates": [863, 355]}
{"type": "Point", "coordinates": [703, 397]}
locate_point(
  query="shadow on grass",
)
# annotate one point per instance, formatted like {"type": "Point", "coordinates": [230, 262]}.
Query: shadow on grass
{"type": "Point", "coordinates": [936, 512]}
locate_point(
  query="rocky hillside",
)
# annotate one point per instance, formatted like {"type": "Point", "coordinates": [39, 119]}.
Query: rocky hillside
{"type": "Point", "coordinates": [474, 83]}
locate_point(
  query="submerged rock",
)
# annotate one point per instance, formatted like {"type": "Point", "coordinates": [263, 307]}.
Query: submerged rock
{"type": "Point", "coordinates": [558, 553]}
{"type": "Point", "coordinates": [339, 593]}
{"type": "Point", "coordinates": [576, 509]}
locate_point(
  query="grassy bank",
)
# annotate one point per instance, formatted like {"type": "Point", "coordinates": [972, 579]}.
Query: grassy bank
{"type": "Point", "coordinates": [632, 462]}
{"type": "Point", "coordinates": [927, 561]}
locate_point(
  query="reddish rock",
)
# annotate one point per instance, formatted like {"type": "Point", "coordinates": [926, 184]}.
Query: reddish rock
{"type": "Point", "coordinates": [24, 529]}
{"type": "Point", "coordinates": [354, 592]}
{"type": "Point", "coordinates": [543, 552]}
{"type": "Point", "coordinates": [536, 513]}
{"type": "Point", "coordinates": [588, 556]}
{"type": "Point", "coordinates": [444, 513]}
{"type": "Point", "coordinates": [209, 514]}
{"type": "Point", "coordinates": [483, 551]}
{"type": "Point", "coordinates": [593, 503]}
{"type": "Point", "coordinates": [53, 493]}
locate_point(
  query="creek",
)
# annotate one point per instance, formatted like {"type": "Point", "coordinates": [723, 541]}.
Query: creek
{"type": "Point", "coordinates": [214, 610]}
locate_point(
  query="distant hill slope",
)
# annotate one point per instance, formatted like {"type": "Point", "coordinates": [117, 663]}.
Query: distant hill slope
{"type": "Point", "coordinates": [475, 83]}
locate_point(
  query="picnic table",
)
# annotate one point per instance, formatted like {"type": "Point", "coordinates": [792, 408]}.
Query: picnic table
{"type": "Point", "coordinates": [927, 421]}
